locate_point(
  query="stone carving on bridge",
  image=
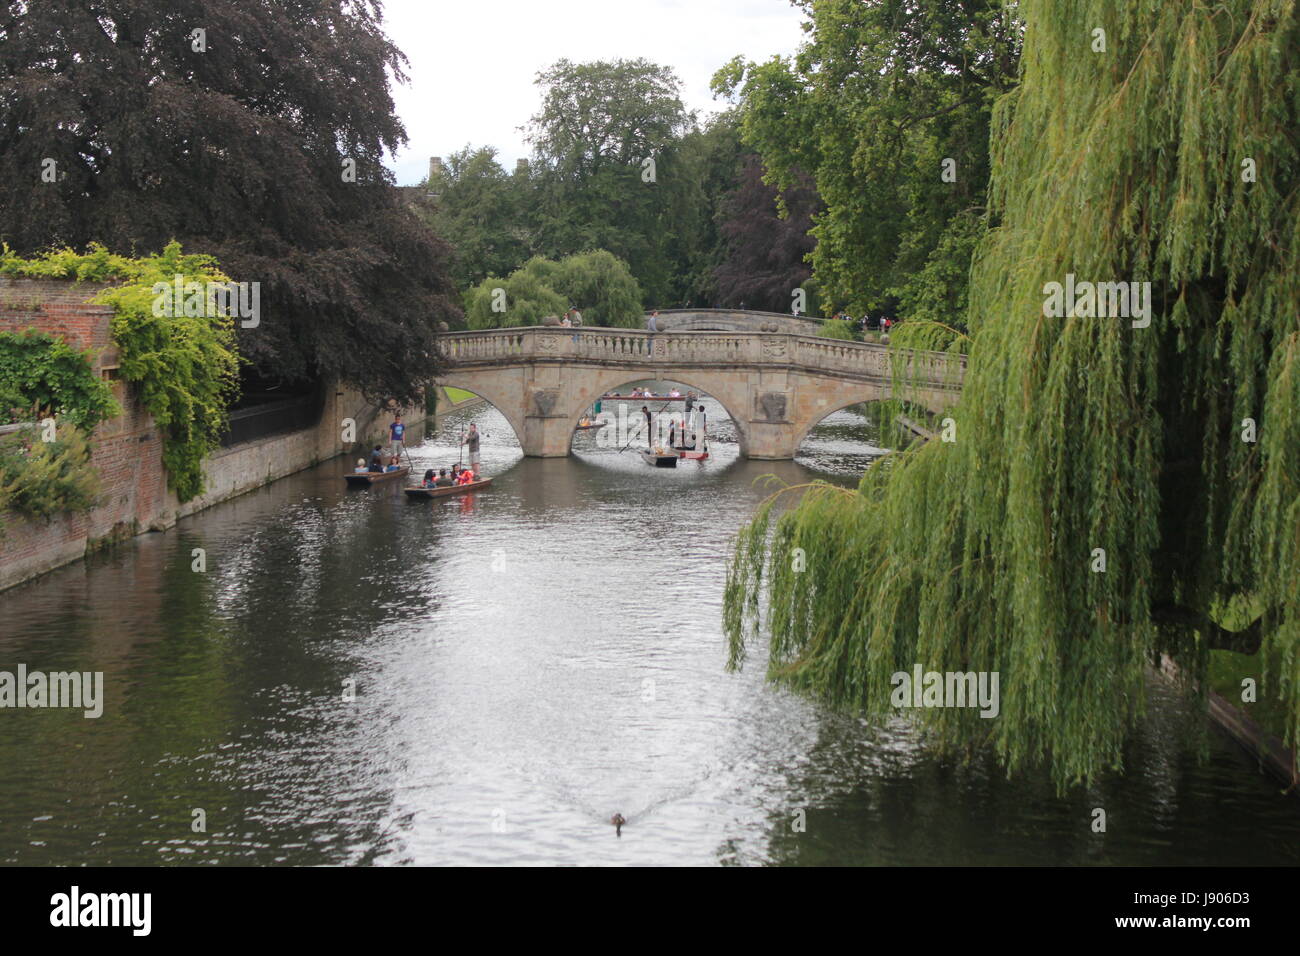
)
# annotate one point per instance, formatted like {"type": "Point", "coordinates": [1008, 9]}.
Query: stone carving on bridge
{"type": "Point", "coordinates": [772, 405]}
{"type": "Point", "coordinates": [774, 347]}
{"type": "Point", "coordinates": [549, 343]}
{"type": "Point", "coordinates": [544, 400]}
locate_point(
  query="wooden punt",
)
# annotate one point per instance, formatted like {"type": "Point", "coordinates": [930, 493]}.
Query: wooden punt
{"type": "Point", "coordinates": [659, 461]}
{"type": "Point", "coordinates": [447, 491]}
{"type": "Point", "coordinates": [362, 479]}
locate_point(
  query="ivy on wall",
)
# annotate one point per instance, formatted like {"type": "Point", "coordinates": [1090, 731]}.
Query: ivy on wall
{"type": "Point", "coordinates": [184, 366]}
{"type": "Point", "coordinates": [43, 375]}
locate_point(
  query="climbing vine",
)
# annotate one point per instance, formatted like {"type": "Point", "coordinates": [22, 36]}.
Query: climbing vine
{"type": "Point", "coordinates": [185, 366]}
{"type": "Point", "coordinates": [41, 374]}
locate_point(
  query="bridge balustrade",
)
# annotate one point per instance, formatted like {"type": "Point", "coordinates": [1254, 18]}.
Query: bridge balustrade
{"type": "Point", "coordinates": [694, 348]}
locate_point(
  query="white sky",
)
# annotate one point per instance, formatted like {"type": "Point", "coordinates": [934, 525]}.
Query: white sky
{"type": "Point", "coordinates": [473, 62]}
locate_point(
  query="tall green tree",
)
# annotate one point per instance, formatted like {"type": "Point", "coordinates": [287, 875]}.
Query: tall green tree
{"type": "Point", "coordinates": [1115, 490]}
{"type": "Point", "coordinates": [250, 130]}
{"type": "Point", "coordinates": [606, 138]}
{"type": "Point", "coordinates": [480, 211]}
{"type": "Point", "coordinates": [887, 106]}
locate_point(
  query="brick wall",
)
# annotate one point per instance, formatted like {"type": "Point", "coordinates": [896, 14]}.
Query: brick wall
{"type": "Point", "coordinates": [127, 450]}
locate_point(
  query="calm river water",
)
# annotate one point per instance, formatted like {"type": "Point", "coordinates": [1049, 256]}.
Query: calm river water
{"type": "Point", "coordinates": [526, 662]}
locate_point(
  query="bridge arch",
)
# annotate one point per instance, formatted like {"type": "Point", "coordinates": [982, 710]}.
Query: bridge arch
{"type": "Point", "coordinates": [692, 380]}
{"type": "Point", "coordinates": [871, 393]}
{"type": "Point", "coordinates": [489, 389]}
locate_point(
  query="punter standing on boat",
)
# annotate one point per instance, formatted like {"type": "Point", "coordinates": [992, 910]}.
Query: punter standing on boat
{"type": "Point", "coordinates": [470, 441]}
{"type": "Point", "coordinates": [649, 422]}
{"type": "Point", "coordinates": [397, 435]}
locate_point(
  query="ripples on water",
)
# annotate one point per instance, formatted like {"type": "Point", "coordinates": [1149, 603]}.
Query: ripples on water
{"type": "Point", "coordinates": [527, 661]}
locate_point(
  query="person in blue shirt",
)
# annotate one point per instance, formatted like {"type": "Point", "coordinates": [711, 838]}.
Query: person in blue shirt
{"type": "Point", "coordinates": [397, 435]}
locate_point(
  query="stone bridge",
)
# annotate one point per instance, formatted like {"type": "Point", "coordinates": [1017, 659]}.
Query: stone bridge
{"type": "Point", "coordinates": [734, 320]}
{"type": "Point", "coordinates": [774, 386]}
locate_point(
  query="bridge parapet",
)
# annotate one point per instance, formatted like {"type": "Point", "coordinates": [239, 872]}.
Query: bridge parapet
{"type": "Point", "coordinates": [735, 320]}
{"type": "Point", "coordinates": [632, 347]}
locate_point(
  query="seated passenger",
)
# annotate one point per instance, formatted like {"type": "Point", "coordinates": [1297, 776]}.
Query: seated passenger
{"type": "Point", "coordinates": [361, 468]}
{"type": "Point", "coordinates": [443, 480]}
{"type": "Point", "coordinates": [429, 480]}
{"type": "Point", "coordinates": [376, 460]}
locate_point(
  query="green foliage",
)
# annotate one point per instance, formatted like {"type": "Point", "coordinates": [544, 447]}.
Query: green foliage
{"type": "Point", "coordinates": [881, 96]}
{"type": "Point", "coordinates": [1075, 434]}
{"type": "Point", "coordinates": [41, 479]}
{"type": "Point", "coordinates": [587, 187]}
{"type": "Point", "coordinates": [38, 371]}
{"type": "Point", "coordinates": [602, 288]}
{"type": "Point", "coordinates": [186, 367]}
{"type": "Point", "coordinates": [599, 126]}
{"type": "Point", "coordinates": [837, 329]}
{"type": "Point", "coordinates": [596, 283]}
{"type": "Point", "coordinates": [528, 299]}
{"type": "Point", "coordinates": [272, 163]}
{"type": "Point", "coordinates": [481, 211]}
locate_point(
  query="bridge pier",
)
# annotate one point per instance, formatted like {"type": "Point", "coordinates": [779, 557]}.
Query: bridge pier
{"type": "Point", "coordinates": [771, 441]}
{"type": "Point", "coordinates": [546, 436]}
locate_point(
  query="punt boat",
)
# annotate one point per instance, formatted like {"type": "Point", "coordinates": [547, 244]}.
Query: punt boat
{"type": "Point", "coordinates": [361, 479]}
{"type": "Point", "coordinates": [447, 490]}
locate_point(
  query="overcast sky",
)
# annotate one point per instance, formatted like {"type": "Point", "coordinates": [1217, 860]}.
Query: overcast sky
{"type": "Point", "coordinates": [473, 62]}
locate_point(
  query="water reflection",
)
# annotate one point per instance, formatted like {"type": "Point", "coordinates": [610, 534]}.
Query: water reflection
{"type": "Point", "coordinates": [361, 678]}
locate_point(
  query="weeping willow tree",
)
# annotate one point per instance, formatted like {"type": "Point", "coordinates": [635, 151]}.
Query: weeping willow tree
{"type": "Point", "coordinates": [1116, 491]}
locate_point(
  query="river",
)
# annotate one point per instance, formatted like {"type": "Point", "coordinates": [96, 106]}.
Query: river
{"type": "Point", "coordinates": [357, 678]}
